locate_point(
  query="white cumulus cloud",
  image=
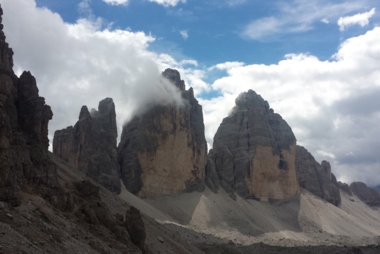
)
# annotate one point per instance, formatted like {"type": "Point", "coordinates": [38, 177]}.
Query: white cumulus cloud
{"type": "Point", "coordinates": [83, 63]}
{"type": "Point", "coordinates": [361, 19]}
{"type": "Point", "coordinates": [332, 106]}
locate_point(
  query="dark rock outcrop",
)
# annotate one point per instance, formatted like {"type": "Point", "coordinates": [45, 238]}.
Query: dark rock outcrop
{"type": "Point", "coordinates": [164, 151]}
{"type": "Point", "coordinates": [211, 176]}
{"type": "Point", "coordinates": [254, 152]}
{"type": "Point", "coordinates": [366, 194]}
{"type": "Point", "coordinates": [316, 178]}
{"type": "Point", "coordinates": [344, 187]}
{"type": "Point", "coordinates": [136, 228]}
{"type": "Point", "coordinates": [24, 117]}
{"type": "Point", "coordinates": [90, 145]}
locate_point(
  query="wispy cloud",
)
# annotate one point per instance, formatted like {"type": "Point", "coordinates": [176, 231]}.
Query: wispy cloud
{"type": "Point", "coordinates": [361, 19]}
{"type": "Point", "coordinates": [235, 2]}
{"type": "Point", "coordinates": [184, 34]}
{"type": "Point", "coordinates": [298, 16]}
{"type": "Point", "coordinates": [168, 3]}
{"type": "Point", "coordinates": [116, 2]}
{"type": "Point", "coordinates": [325, 20]}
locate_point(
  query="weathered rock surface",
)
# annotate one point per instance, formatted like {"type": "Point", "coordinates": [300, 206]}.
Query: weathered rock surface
{"type": "Point", "coordinates": [316, 178]}
{"type": "Point", "coordinates": [24, 118]}
{"type": "Point", "coordinates": [164, 151]}
{"type": "Point", "coordinates": [90, 145]}
{"type": "Point", "coordinates": [211, 176]}
{"type": "Point", "coordinates": [254, 152]}
{"type": "Point", "coordinates": [366, 194]}
{"type": "Point", "coordinates": [344, 187]}
{"type": "Point", "coordinates": [136, 228]}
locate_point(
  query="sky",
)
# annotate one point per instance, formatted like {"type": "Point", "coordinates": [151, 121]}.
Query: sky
{"type": "Point", "coordinates": [317, 63]}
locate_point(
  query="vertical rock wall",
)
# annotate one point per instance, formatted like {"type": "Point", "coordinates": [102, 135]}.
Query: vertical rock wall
{"type": "Point", "coordinates": [24, 117]}
{"type": "Point", "coordinates": [164, 151]}
{"type": "Point", "coordinates": [90, 145]}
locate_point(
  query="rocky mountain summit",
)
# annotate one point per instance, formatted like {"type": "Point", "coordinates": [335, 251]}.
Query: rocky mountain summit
{"type": "Point", "coordinates": [164, 151]}
{"type": "Point", "coordinates": [254, 152]}
{"type": "Point", "coordinates": [90, 146]}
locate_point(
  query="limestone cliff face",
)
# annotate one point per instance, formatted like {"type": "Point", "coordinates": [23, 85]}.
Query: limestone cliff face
{"type": "Point", "coordinates": [254, 152]}
{"type": "Point", "coordinates": [316, 178]}
{"type": "Point", "coordinates": [90, 145]}
{"type": "Point", "coordinates": [24, 116]}
{"type": "Point", "coordinates": [164, 151]}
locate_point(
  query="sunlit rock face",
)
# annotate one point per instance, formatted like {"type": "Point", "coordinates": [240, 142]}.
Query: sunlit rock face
{"type": "Point", "coordinates": [90, 145]}
{"type": "Point", "coordinates": [164, 151]}
{"type": "Point", "coordinates": [24, 117]}
{"type": "Point", "coordinates": [254, 152]}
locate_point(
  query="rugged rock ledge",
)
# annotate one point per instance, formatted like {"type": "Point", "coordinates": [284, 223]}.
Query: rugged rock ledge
{"type": "Point", "coordinates": [254, 152]}
{"type": "Point", "coordinates": [90, 146]}
{"type": "Point", "coordinates": [316, 178]}
{"type": "Point", "coordinates": [164, 151]}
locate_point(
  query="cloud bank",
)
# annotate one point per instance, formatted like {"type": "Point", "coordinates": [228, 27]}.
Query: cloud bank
{"type": "Point", "coordinates": [83, 63]}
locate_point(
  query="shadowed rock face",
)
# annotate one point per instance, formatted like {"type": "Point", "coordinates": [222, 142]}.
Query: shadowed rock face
{"type": "Point", "coordinates": [366, 194]}
{"type": "Point", "coordinates": [316, 178]}
{"type": "Point", "coordinates": [90, 145]}
{"type": "Point", "coordinates": [24, 118]}
{"type": "Point", "coordinates": [164, 151]}
{"type": "Point", "coordinates": [254, 152]}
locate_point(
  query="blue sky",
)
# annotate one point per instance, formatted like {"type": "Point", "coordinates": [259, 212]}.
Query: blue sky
{"type": "Point", "coordinates": [316, 62]}
{"type": "Point", "coordinates": [214, 31]}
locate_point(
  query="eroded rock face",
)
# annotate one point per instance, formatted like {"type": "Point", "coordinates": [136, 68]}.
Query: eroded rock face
{"type": "Point", "coordinates": [24, 118]}
{"type": "Point", "coordinates": [366, 194]}
{"type": "Point", "coordinates": [90, 145]}
{"type": "Point", "coordinates": [254, 152]}
{"type": "Point", "coordinates": [316, 178]}
{"type": "Point", "coordinates": [136, 228]}
{"type": "Point", "coordinates": [164, 151]}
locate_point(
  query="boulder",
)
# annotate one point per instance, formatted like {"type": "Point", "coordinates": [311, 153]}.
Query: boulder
{"type": "Point", "coordinates": [164, 151]}
{"type": "Point", "coordinates": [254, 152]}
{"type": "Point", "coordinates": [90, 145]}
{"type": "Point", "coordinates": [135, 227]}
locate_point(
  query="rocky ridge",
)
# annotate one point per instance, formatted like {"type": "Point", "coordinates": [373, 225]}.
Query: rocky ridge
{"type": "Point", "coordinates": [164, 151]}
{"type": "Point", "coordinates": [368, 195]}
{"type": "Point", "coordinates": [316, 178]}
{"type": "Point", "coordinates": [24, 120]}
{"type": "Point", "coordinates": [90, 145]}
{"type": "Point", "coordinates": [254, 152]}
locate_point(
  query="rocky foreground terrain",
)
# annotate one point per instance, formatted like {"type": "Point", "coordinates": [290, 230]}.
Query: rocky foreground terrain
{"type": "Point", "coordinates": [158, 191]}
